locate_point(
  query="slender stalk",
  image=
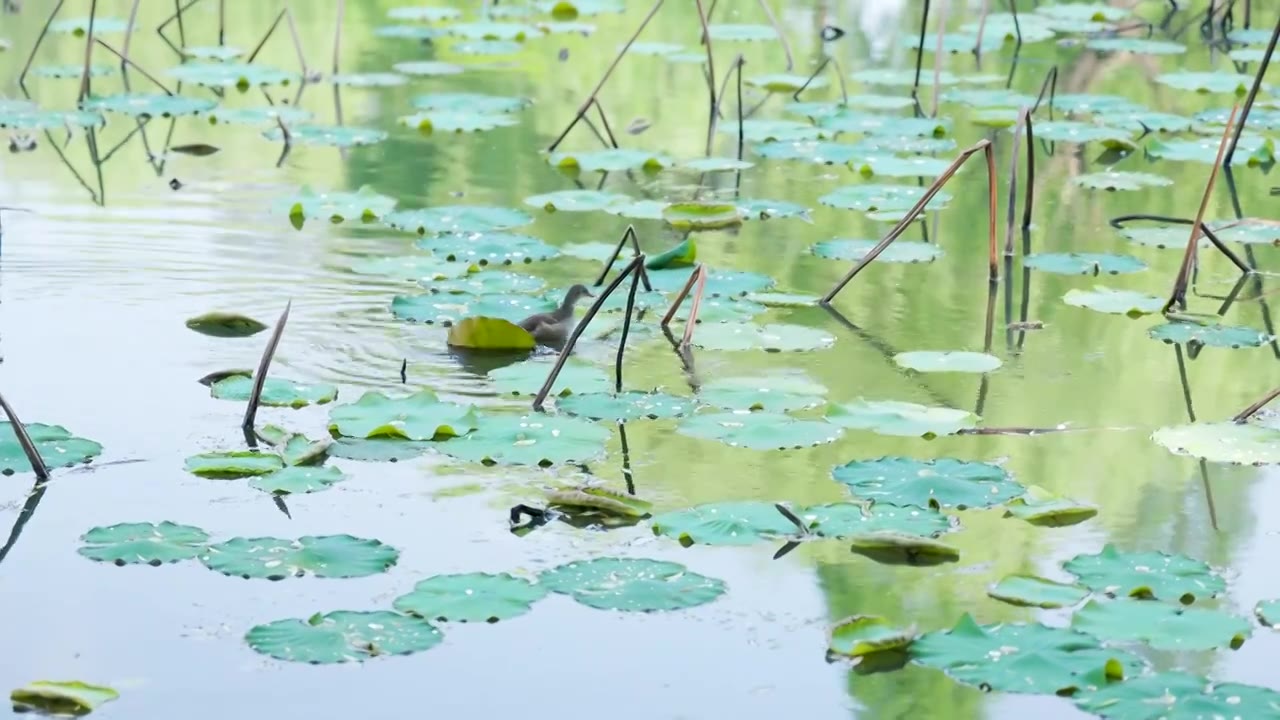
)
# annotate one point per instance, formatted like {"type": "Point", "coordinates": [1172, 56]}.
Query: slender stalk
{"type": "Point", "coordinates": [1011, 211]}
{"type": "Point", "coordinates": [22, 76]}
{"type": "Point", "coordinates": [1029, 203]}
{"type": "Point", "coordinates": [777, 27]}
{"type": "Point", "coordinates": [1017, 25]}
{"type": "Point", "coordinates": [737, 64]}
{"type": "Point", "coordinates": [905, 222]}
{"type": "Point", "coordinates": [626, 325]}
{"type": "Point", "coordinates": [680, 296]}
{"type": "Point", "coordinates": [541, 397]}
{"type": "Point", "coordinates": [924, 21]}
{"type": "Point", "coordinates": [1049, 85]}
{"type": "Point", "coordinates": [175, 16]}
{"type": "Point", "coordinates": [628, 234]}
{"type": "Point", "coordinates": [297, 43]}
{"type": "Point", "coordinates": [1179, 293]}
{"type": "Point", "coordinates": [741, 132]}
{"type": "Point", "coordinates": [604, 120]}
{"type": "Point", "coordinates": [337, 35]}
{"type": "Point", "coordinates": [126, 61]}
{"type": "Point", "coordinates": [182, 30]}
{"type": "Point", "coordinates": [24, 440]}
{"type": "Point", "coordinates": [1118, 222]}
{"type": "Point", "coordinates": [88, 52]}
{"type": "Point", "coordinates": [128, 30]}
{"type": "Point", "coordinates": [222, 22]}
{"type": "Point", "coordinates": [586, 104]}
{"type": "Point", "coordinates": [1248, 412]}
{"type": "Point", "coordinates": [711, 77]}
{"type": "Point", "coordinates": [994, 266]}
{"type": "Point", "coordinates": [260, 377]}
{"type": "Point", "coordinates": [937, 56]}
{"type": "Point", "coordinates": [1253, 91]}
{"type": "Point", "coordinates": [258, 48]}
{"type": "Point", "coordinates": [698, 292]}
{"type": "Point", "coordinates": [982, 27]}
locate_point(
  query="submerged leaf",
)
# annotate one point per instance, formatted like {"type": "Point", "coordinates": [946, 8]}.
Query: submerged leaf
{"type": "Point", "coordinates": [60, 697]}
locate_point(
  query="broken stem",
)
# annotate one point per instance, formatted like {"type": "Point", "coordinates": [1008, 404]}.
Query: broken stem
{"type": "Point", "coordinates": [1253, 91]}
{"type": "Point", "coordinates": [680, 296]}
{"type": "Point", "coordinates": [692, 322]}
{"type": "Point", "coordinates": [629, 234]}
{"type": "Point", "coordinates": [626, 324]}
{"type": "Point", "coordinates": [126, 61]}
{"type": "Point", "coordinates": [1254, 408]}
{"type": "Point", "coordinates": [260, 377]}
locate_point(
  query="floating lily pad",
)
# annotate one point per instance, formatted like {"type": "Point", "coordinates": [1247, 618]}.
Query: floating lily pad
{"type": "Point", "coordinates": [427, 68]}
{"type": "Point", "coordinates": [724, 523]}
{"type": "Point", "coordinates": [1223, 442]}
{"type": "Point", "coordinates": [947, 361]}
{"type": "Point", "coordinates": [270, 115]}
{"type": "Point", "coordinates": [526, 378]}
{"type": "Point", "coordinates": [887, 125]}
{"type": "Point", "coordinates": [80, 26]}
{"type": "Point", "coordinates": [1208, 82]}
{"type": "Point", "coordinates": [741, 33]}
{"type": "Point", "coordinates": [424, 14]}
{"type": "Point", "coordinates": [760, 430]}
{"type": "Point", "coordinates": [993, 98]}
{"type": "Point", "coordinates": [766, 131]}
{"type": "Point", "coordinates": [420, 416]}
{"type": "Point", "coordinates": [448, 121]}
{"type": "Point", "coordinates": [343, 636]}
{"type": "Point", "coordinates": [817, 151]}
{"type": "Point", "coordinates": [1162, 237]}
{"type": "Point", "coordinates": [1216, 120]}
{"type": "Point", "coordinates": [470, 102]}
{"type": "Point", "coordinates": [1178, 695]}
{"type": "Point", "coordinates": [894, 166]}
{"type": "Point", "coordinates": [1146, 575]}
{"type": "Point", "coordinates": [1041, 507]}
{"type": "Point", "coordinates": [850, 520]}
{"type": "Point", "coordinates": [486, 47]}
{"type": "Point", "coordinates": [427, 270]}
{"type": "Point", "coordinates": [1111, 180]}
{"type": "Point", "coordinates": [785, 82]}
{"type": "Point", "coordinates": [896, 548]}
{"type": "Point", "coordinates": [212, 52]}
{"type": "Point", "coordinates": [575, 200]}
{"type": "Point", "coordinates": [768, 209]}
{"type": "Point", "coordinates": [298, 480]}
{"type": "Point", "coordinates": [488, 248]}
{"type": "Point", "coordinates": [1144, 121]}
{"type": "Point", "coordinates": [596, 498]}
{"type": "Point", "coordinates": [632, 585]}
{"type": "Point", "coordinates": [225, 324]}
{"type": "Point", "coordinates": [1116, 302]}
{"type": "Point", "coordinates": [772, 338]}
{"type": "Point", "coordinates": [944, 482]}
{"type": "Point", "coordinates": [329, 135]}
{"type": "Point", "coordinates": [535, 440]}
{"type": "Point", "coordinates": [144, 105]}
{"type": "Point", "coordinates": [901, 77]}
{"type": "Point", "coordinates": [862, 635]}
{"type": "Point", "coordinates": [883, 198]}
{"type": "Point", "coordinates": [276, 392]}
{"type": "Point", "coordinates": [365, 204]}
{"type": "Point", "coordinates": [137, 543]}
{"type": "Point", "coordinates": [702, 215]}
{"type": "Point", "coordinates": [470, 597]}
{"type": "Point", "coordinates": [954, 42]}
{"type": "Point", "coordinates": [1032, 591]}
{"type": "Point", "coordinates": [408, 32]}
{"type": "Point", "coordinates": [1023, 658]}
{"type": "Point", "coordinates": [72, 71]}
{"type": "Point", "coordinates": [1249, 231]}
{"type": "Point", "coordinates": [378, 449]}
{"type": "Point", "coordinates": [768, 393]}
{"type": "Point", "coordinates": [233, 464]}
{"type": "Point", "coordinates": [657, 48]}
{"type": "Point", "coordinates": [611, 160]}
{"type": "Point", "coordinates": [1141, 46]}
{"type": "Point", "coordinates": [1082, 132]}
{"type": "Point", "coordinates": [328, 556]}
{"type": "Point", "coordinates": [459, 219]}
{"type": "Point", "coordinates": [372, 79]}
{"type": "Point", "coordinates": [1257, 149]}
{"type": "Point", "coordinates": [716, 164]}
{"type": "Point", "coordinates": [900, 251]}
{"type": "Point", "coordinates": [1216, 335]}
{"type": "Point", "coordinates": [891, 417]}
{"type": "Point", "coordinates": [60, 697]}
{"type": "Point", "coordinates": [1084, 263]}
{"type": "Point", "coordinates": [1161, 625]}
{"type": "Point", "coordinates": [231, 74]}
{"type": "Point", "coordinates": [625, 406]}
{"type": "Point", "coordinates": [489, 333]}
{"type": "Point", "coordinates": [492, 31]}
{"type": "Point", "coordinates": [486, 283]}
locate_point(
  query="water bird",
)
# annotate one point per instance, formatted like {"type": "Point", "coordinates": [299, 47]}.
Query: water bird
{"type": "Point", "coordinates": [553, 328]}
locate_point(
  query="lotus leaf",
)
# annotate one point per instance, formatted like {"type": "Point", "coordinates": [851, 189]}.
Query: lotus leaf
{"type": "Point", "coordinates": [570, 9]}
{"type": "Point", "coordinates": [773, 338]}
{"type": "Point", "coordinates": [895, 548]}
{"type": "Point", "coordinates": [716, 164]}
{"type": "Point", "coordinates": [1162, 237]}
{"type": "Point", "coordinates": [867, 634]}
{"type": "Point", "coordinates": [71, 71]}
{"type": "Point", "coordinates": [1161, 625]}
{"type": "Point", "coordinates": [1085, 104]}
{"type": "Point", "coordinates": [682, 255]}
{"type": "Point", "coordinates": [427, 68]}
{"type": "Point", "coordinates": [1041, 507]}
{"type": "Point", "coordinates": [297, 450]}
{"type": "Point", "coordinates": [767, 209]}
{"type": "Point", "coordinates": [1081, 132]}
{"type": "Point", "coordinates": [328, 556]}
{"type": "Point", "coordinates": [470, 102]}
{"type": "Point", "coordinates": [470, 597]}
{"type": "Point", "coordinates": [817, 151]}
{"type": "Point", "coordinates": [486, 283]}
{"type": "Point", "coordinates": [624, 206]}
{"type": "Point", "coordinates": [983, 98]}
{"type": "Point", "coordinates": [947, 361]}
{"type": "Point", "coordinates": [1249, 36]}
{"type": "Point", "coordinates": [1032, 591]}
{"type": "Point", "coordinates": [894, 166]}
{"type": "Point", "coordinates": [34, 119]}
{"type": "Point", "coordinates": [409, 32]}
{"type": "Point", "coordinates": [724, 523]}
{"type": "Point", "coordinates": [659, 48]}
{"type": "Point", "coordinates": [702, 215]}
{"type": "Point", "coordinates": [231, 74]}
{"type": "Point", "coordinates": [448, 121]}
{"type": "Point", "coordinates": [601, 499]}
{"type": "Point", "coordinates": [1143, 121]}
{"type": "Point", "coordinates": [1111, 180]}
{"type": "Point", "coordinates": [428, 270]}
{"type": "Point", "coordinates": [488, 333]}
{"type": "Point", "coordinates": [492, 31]}
{"type": "Point", "coordinates": [297, 480]}
{"type": "Point", "coordinates": [485, 248]}
{"type": "Point", "coordinates": [625, 406]}
{"type": "Point", "coordinates": [787, 300]}
{"type": "Point", "coordinates": [536, 440]}
{"type": "Point", "coordinates": [486, 47]}
{"type": "Point", "coordinates": [1260, 119]}
{"type": "Point", "coordinates": [1084, 263]}
{"type": "Point", "coordinates": [424, 14]}
{"type": "Point", "coordinates": [890, 128]}
{"type": "Point", "coordinates": [1216, 335]}
{"type": "Point", "coordinates": [730, 32]}
{"type": "Point", "coordinates": [372, 79]}
{"type": "Point", "coordinates": [1268, 612]}
{"type": "Point", "coordinates": [1178, 696]}
{"type": "Point", "coordinates": [138, 543]}
{"type": "Point", "coordinates": [1208, 82]}
{"type": "Point", "coordinates": [955, 42]}
{"type": "Point", "coordinates": [849, 520]}
{"type": "Point", "coordinates": [884, 198]}
{"type": "Point", "coordinates": [905, 145]}
{"type": "Point", "coordinates": [378, 449]}
{"type": "Point", "coordinates": [343, 636]}
{"type": "Point", "coordinates": [276, 392]}
{"type": "Point", "coordinates": [80, 26]}
{"type": "Point", "coordinates": [232, 465]}
{"type": "Point", "coordinates": [611, 160]}
{"type": "Point", "coordinates": [1258, 150]}
{"type": "Point", "coordinates": [365, 204]}
{"type": "Point", "coordinates": [891, 417]}
{"type": "Point", "coordinates": [772, 394]}
{"type": "Point", "coordinates": [1117, 302]}
{"type": "Point", "coordinates": [575, 200]}
{"type": "Point", "coordinates": [900, 77]}
{"type": "Point", "coordinates": [760, 430]}
{"type": "Point", "coordinates": [632, 585]}
{"type": "Point", "coordinates": [1136, 45]}
{"type": "Point", "coordinates": [1223, 442]}
{"type": "Point", "coordinates": [720, 309]}
{"type": "Point", "coordinates": [1146, 575]}
{"type": "Point", "coordinates": [1027, 28]}
{"type": "Point", "coordinates": [212, 52]}
{"type": "Point", "coordinates": [261, 115]}
{"type": "Point", "coordinates": [330, 135]}
{"type": "Point", "coordinates": [60, 697]}
{"type": "Point", "coordinates": [786, 82]}
{"type": "Point", "coordinates": [944, 482]}
{"type": "Point", "coordinates": [225, 324]}
{"type": "Point", "coordinates": [1250, 231]}
{"type": "Point", "coordinates": [767, 131]}
{"type": "Point", "coordinates": [457, 219]}
{"type": "Point", "coordinates": [420, 416]}
{"type": "Point", "coordinates": [526, 378]}
{"type": "Point", "coordinates": [900, 251]}
{"type": "Point", "coordinates": [1023, 658]}
{"type": "Point", "coordinates": [1095, 12]}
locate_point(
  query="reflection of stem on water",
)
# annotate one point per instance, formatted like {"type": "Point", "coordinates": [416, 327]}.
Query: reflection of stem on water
{"type": "Point", "coordinates": [24, 515]}
{"type": "Point", "coordinates": [626, 460]}
{"type": "Point", "coordinates": [279, 501]}
{"type": "Point", "coordinates": [1191, 414]}
{"type": "Point", "coordinates": [886, 351]}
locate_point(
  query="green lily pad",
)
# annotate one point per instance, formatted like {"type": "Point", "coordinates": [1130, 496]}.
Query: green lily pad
{"type": "Point", "coordinates": [1081, 132]}
{"type": "Point", "coordinates": [233, 464]}
{"type": "Point", "coordinates": [137, 543]}
{"type": "Point", "coordinates": [1111, 180]}
{"type": "Point", "coordinates": [755, 209]}
{"type": "Point", "coordinates": [427, 68]}
{"type": "Point", "coordinates": [378, 449]}
{"type": "Point", "coordinates": [486, 48]}
{"type": "Point", "coordinates": [297, 480]}
{"type": "Point", "coordinates": [60, 697]}
{"type": "Point", "coordinates": [276, 392]}
{"type": "Point", "coordinates": [658, 49]}
{"type": "Point", "coordinates": [1141, 46]}
{"type": "Point", "coordinates": [772, 338]}
{"type": "Point", "coordinates": [478, 103]}
{"type": "Point", "coordinates": [891, 417]}
{"type": "Point", "coordinates": [1032, 591]}
{"type": "Point", "coordinates": [424, 14]}
{"type": "Point", "coordinates": [785, 82]}
{"type": "Point", "coordinates": [1023, 658]}
{"type": "Point", "coordinates": [526, 378]}
{"type": "Point", "coordinates": [1142, 121]}
{"type": "Point", "coordinates": [821, 152]}
{"type": "Point", "coordinates": [488, 248]}
{"type": "Point", "coordinates": [470, 597]}
{"type": "Point", "coordinates": [759, 430]}
{"type": "Point", "coordinates": [225, 325]}
{"type": "Point", "coordinates": [954, 42]}
{"type": "Point", "coordinates": [610, 160]}
{"type": "Point", "coordinates": [882, 198]}
{"type": "Point", "coordinates": [721, 309]}
{"type": "Point", "coordinates": [1178, 695]}
{"type": "Point", "coordinates": [57, 446]}
{"type": "Point", "coordinates": [947, 361]}
{"type": "Point", "coordinates": [787, 300]}
{"type": "Point", "coordinates": [632, 585]}
{"type": "Point", "coordinates": [1223, 442]}
{"type": "Point", "coordinates": [329, 135]}
{"type": "Point", "coordinates": [1249, 231]}
{"type": "Point", "coordinates": [1216, 120]}
{"type": "Point", "coordinates": [420, 416]}
{"type": "Point", "coordinates": [1146, 575]}
{"type": "Point", "coordinates": [1162, 237]}
{"type": "Point", "coordinates": [702, 215]}
{"type": "Point", "coordinates": [1116, 302]}
{"type": "Point", "coordinates": [343, 636]}
{"type": "Point", "coordinates": [1084, 263]}
{"type": "Point", "coordinates": [727, 32]}
{"type": "Point", "coordinates": [1268, 613]}
{"type": "Point", "coordinates": [1041, 507]}
{"type": "Point", "coordinates": [1216, 335]}
{"type": "Point", "coordinates": [270, 115]}
{"type": "Point", "coordinates": [460, 219]}
{"type": "Point", "coordinates": [492, 31]}
{"type": "Point", "coordinates": [894, 166]}
{"type": "Point", "coordinates": [1161, 625]}
{"type": "Point", "coordinates": [34, 119]}
{"type": "Point", "coordinates": [80, 26]}
{"type": "Point", "coordinates": [716, 164]}
{"type": "Point", "coordinates": [486, 283]}
{"type": "Point", "coordinates": [231, 74]}
{"type": "Point", "coordinates": [862, 635]}
{"type": "Point", "coordinates": [625, 406]}
{"type": "Point", "coordinates": [448, 121]}
{"type": "Point", "coordinates": [488, 333]}
{"type": "Point", "coordinates": [858, 520]}
{"type": "Point", "coordinates": [900, 251]}
{"type": "Point", "coordinates": [64, 72]}
{"type": "Point", "coordinates": [427, 270]}
{"type": "Point", "coordinates": [681, 255]}
{"type": "Point", "coordinates": [888, 125]}
{"type": "Point", "coordinates": [1208, 82]}
{"type": "Point", "coordinates": [536, 440]}
{"type": "Point", "coordinates": [768, 393]}
{"type": "Point", "coordinates": [575, 200]}
{"type": "Point", "coordinates": [409, 32]}
{"type": "Point", "coordinates": [944, 482]}
{"type": "Point", "coordinates": [1257, 149]}
{"type": "Point", "coordinates": [635, 209]}
{"type": "Point", "coordinates": [724, 523]}
{"type": "Point", "coordinates": [365, 204]}
{"type": "Point", "coordinates": [328, 556]}
{"type": "Point", "coordinates": [896, 548]}
{"type": "Point", "coordinates": [372, 79]}
{"type": "Point", "coordinates": [906, 77]}
{"type": "Point", "coordinates": [212, 52]}
{"type": "Point", "coordinates": [993, 98]}
{"type": "Point", "coordinates": [767, 131]}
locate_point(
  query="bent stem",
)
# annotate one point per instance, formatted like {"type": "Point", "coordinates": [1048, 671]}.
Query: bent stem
{"type": "Point", "coordinates": [126, 61]}
{"type": "Point", "coordinates": [711, 77]}
{"type": "Point", "coordinates": [22, 76]}
{"type": "Point", "coordinates": [1178, 296]}
{"type": "Point", "coordinates": [626, 325]}
{"type": "Point", "coordinates": [1253, 91]}
{"type": "Point", "coordinates": [630, 233]}
{"type": "Point", "coordinates": [680, 296]}
{"type": "Point", "coordinates": [88, 53]}
{"type": "Point", "coordinates": [1249, 411]}
{"type": "Point", "coordinates": [29, 448]}
{"type": "Point", "coordinates": [260, 377]}
{"type": "Point", "coordinates": [914, 212]}
{"type": "Point", "coordinates": [692, 322]}
{"type": "Point", "coordinates": [1118, 222]}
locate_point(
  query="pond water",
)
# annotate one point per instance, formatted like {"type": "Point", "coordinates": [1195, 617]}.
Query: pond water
{"type": "Point", "coordinates": [98, 279]}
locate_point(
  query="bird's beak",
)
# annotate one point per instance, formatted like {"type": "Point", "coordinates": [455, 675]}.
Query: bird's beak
{"type": "Point", "coordinates": [590, 294]}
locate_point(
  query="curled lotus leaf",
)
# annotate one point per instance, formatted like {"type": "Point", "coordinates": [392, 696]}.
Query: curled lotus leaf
{"type": "Point", "coordinates": [702, 215]}
{"type": "Point", "coordinates": [420, 416]}
{"type": "Point", "coordinates": [343, 636]}
{"type": "Point", "coordinates": [576, 200]}
{"type": "Point", "coordinates": [632, 585]}
{"type": "Point", "coordinates": [427, 68]}
{"type": "Point", "coordinates": [1216, 335]}
{"type": "Point", "coordinates": [470, 102]}
{"type": "Point", "coordinates": [1179, 695]}
{"type": "Point", "coordinates": [143, 543]}
{"type": "Point", "coordinates": [1023, 658]}
{"type": "Point", "coordinates": [1251, 443]}
{"type": "Point", "coordinates": [327, 556]}
{"type": "Point", "coordinates": [329, 135]}
{"type": "Point", "coordinates": [145, 105]}
{"type": "Point", "coordinates": [470, 597]}
{"type": "Point", "coordinates": [60, 697]}
{"type": "Point", "coordinates": [625, 406]}
{"type": "Point", "coordinates": [1032, 591]}
{"type": "Point", "coordinates": [724, 523]}
{"type": "Point", "coordinates": [898, 548]}
{"type": "Point", "coordinates": [1146, 575]}
{"type": "Point", "coordinates": [297, 480]}
{"type": "Point", "coordinates": [225, 324]}
{"type": "Point", "coordinates": [610, 160]}
{"type": "Point", "coordinates": [486, 47]}
{"type": "Point", "coordinates": [233, 464]}
{"type": "Point", "coordinates": [231, 74]}
{"type": "Point", "coordinates": [489, 333]}
{"type": "Point", "coordinates": [1041, 507]}
{"type": "Point", "coordinates": [862, 635]}
{"type": "Point", "coordinates": [457, 219]}
{"type": "Point", "coordinates": [1084, 263]}
{"type": "Point", "coordinates": [772, 338]}
{"type": "Point", "coordinates": [947, 361]}
{"type": "Point", "coordinates": [600, 499]}
{"type": "Point", "coordinates": [527, 378]}
{"type": "Point", "coordinates": [944, 482]}
{"type": "Point", "coordinates": [447, 121]}
{"type": "Point", "coordinates": [489, 248]}
{"type": "Point", "coordinates": [760, 430]}
{"type": "Point", "coordinates": [535, 440]}
{"type": "Point", "coordinates": [427, 270]}
{"type": "Point", "coordinates": [1112, 180]}
{"type": "Point", "coordinates": [276, 392]}
{"type": "Point", "coordinates": [900, 251]}
{"type": "Point", "coordinates": [336, 206]}
{"type": "Point", "coordinates": [882, 198]}
{"type": "Point", "coordinates": [1116, 302]}
{"type": "Point", "coordinates": [56, 445]}
{"type": "Point", "coordinates": [891, 417]}
{"type": "Point", "coordinates": [1161, 625]}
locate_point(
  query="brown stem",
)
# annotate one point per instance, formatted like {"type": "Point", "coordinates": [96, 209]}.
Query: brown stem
{"type": "Point", "coordinates": [628, 234]}
{"type": "Point", "coordinates": [989, 152]}
{"type": "Point", "coordinates": [626, 324]}
{"type": "Point", "coordinates": [777, 27]}
{"type": "Point", "coordinates": [260, 377]}
{"type": "Point", "coordinates": [1023, 116]}
{"type": "Point", "coordinates": [1031, 173]}
{"type": "Point", "coordinates": [711, 77]}
{"type": "Point", "coordinates": [29, 448]}
{"type": "Point", "coordinates": [692, 322]}
{"type": "Point", "coordinates": [1178, 295]}
{"type": "Point", "coordinates": [1253, 91]}
{"type": "Point", "coordinates": [604, 120]}
{"type": "Point", "coordinates": [1249, 411]}
{"type": "Point", "coordinates": [1118, 222]}
{"type": "Point", "coordinates": [680, 296]}
{"type": "Point", "coordinates": [222, 22]}
{"type": "Point", "coordinates": [88, 52]}
{"type": "Point", "coordinates": [136, 66]}
{"type": "Point", "coordinates": [257, 49]}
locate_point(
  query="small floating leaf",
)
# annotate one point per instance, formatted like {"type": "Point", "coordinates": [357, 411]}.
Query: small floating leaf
{"type": "Point", "coordinates": [231, 74]}
{"type": "Point", "coordinates": [944, 482]}
{"type": "Point", "coordinates": [1084, 263]}
{"type": "Point", "coordinates": [773, 338]}
{"type": "Point", "coordinates": [1116, 302]}
{"type": "Point", "coordinates": [1216, 335]}
{"type": "Point", "coordinates": [901, 251]}
{"type": "Point", "coordinates": [702, 215]}
{"type": "Point", "coordinates": [1081, 132]}
{"type": "Point", "coordinates": [460, 219]}
{"type": "Point", "coordinates": [137, 543]}
{"type": "Point", "coordinates": [57, 446]}
{"type": "Point", "coordinates": [470, 597]}
{"type": "Point", "coordinates": [330, 135]}
{"type": "Point", "coordinates": [761, 393]}
{"type": "Point", "coordinates": [682, 255]}
{"type": "Point", "coordinates": [848, 520]}
{"type": "Point", "coordinates": [232, 465]}
{"type": "Point", "coordinates": [760, 430]}
{"type": "Point", "coordinates": [343, 636]}
{"type": "Point", "coordinates": [1032, 591]}
{"type": "Point", "coordinates": [79, 26]}
{"type": "Point", "coordinates": [424, 14]}
{"type": "Point", "coordinates": [1249, 443]}
{"type": "Point", "coordinates": [731, 32]}
{"type": "Point", "coordinates": [276, 392]}
{"type": "Point", "coordinates": [470, 102]}
{"type": "Point", "coordinates": [716, 164]}
{"type": "Point", "coordinates": [60, 697]}
{"type": "Point", "coordinates": [1146, 575]}
{"type": "Point", "coordinates": [611, 160]}
{"type": "Point", "coordinates": [297, 480]}
{"type": "Point", "coordinates": [1141, 46]}
{"type": "Point", "coordinates": [1161, 625]}
{"type": "Point", "coordinates": [212, 52]}
{"type": "Point", "coordinates": [625, 406]}
{"type": "Point", "coordinates": [328, 556]}
{"type": "Point", "coordinates": [1208, 82]}
{"type": "Point", "coordinates": [947, 361]}
{"type": "Point", "coordinates": [489, 333]}
{"type": "Point", "coordinates": [526, 378]}
{"type": "Point", "coordinates": [492, 31]}
{"type": "Point", "coordinates": [34, 119]}
{"type": "Point", "coordinates": [427, 270]}
{"type": "Point", "coordinates": [575, 200]}
{"type": "Point", "coordinates": [1258, 149]}
{"type": "Point", "coordinates": [420, 416]}
{"type": "Point", "coordinates": [891, 417]}
{"type": "Point", "coordinates": [632, 585]}
{"type": "Point", "coordinates": [774, 130]}
{"type": "Point", "coordinates": [270, 115]}
{"type": "Point", "coordinates": [1268, 612]}
{"type": "Point", "coordinates": [866, 634]}
{"type": "Point", "coordinates": [1041, 507]}
{"type": "Point", "coordinates": [427, 68]}
{"type": "Point", "coordinates": [1112, 180]}
{"type": "Point", "coordinates": [488, 248]}
{"type": "Point", "coordinates": [536, 440]}
{"type": "Point", "coordinates": [225, 324]}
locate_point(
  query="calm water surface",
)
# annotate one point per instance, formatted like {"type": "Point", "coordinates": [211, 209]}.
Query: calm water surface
{"type": "Point", "coordinates": [93, 299]}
